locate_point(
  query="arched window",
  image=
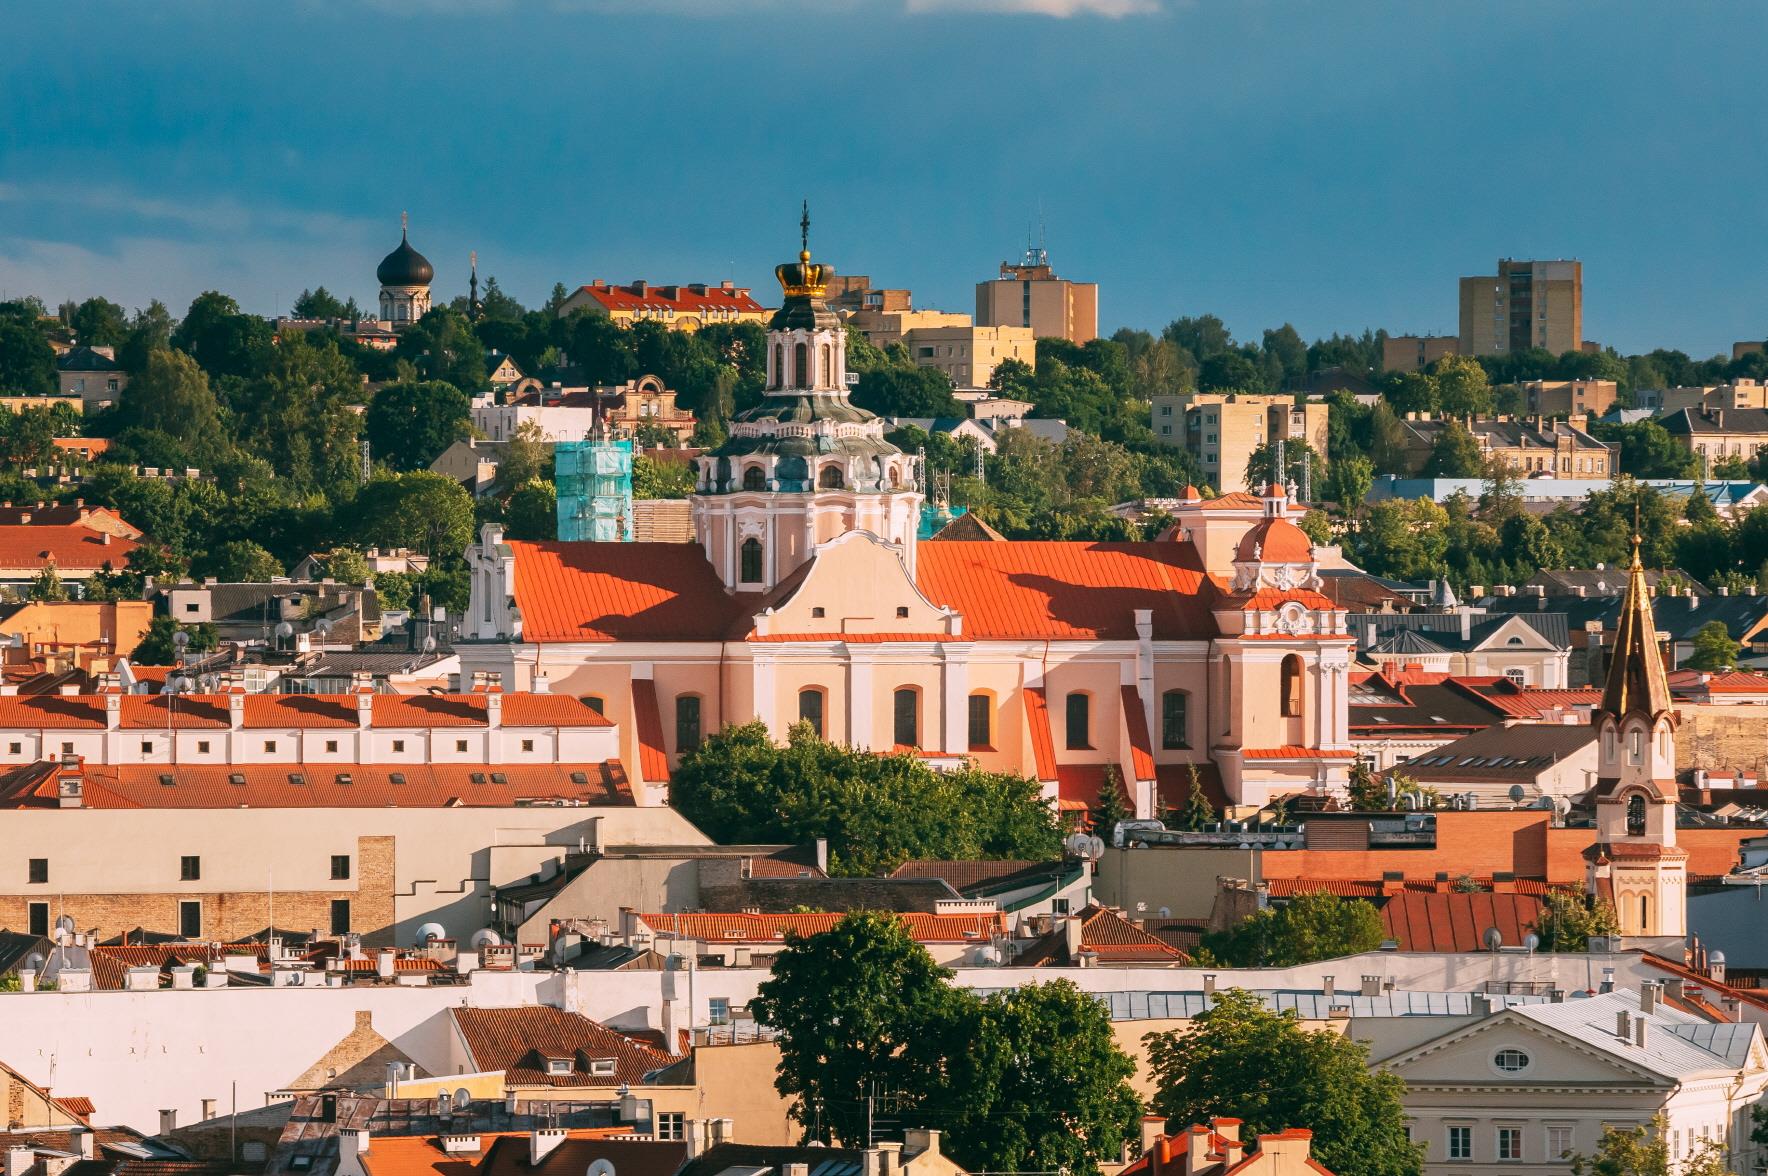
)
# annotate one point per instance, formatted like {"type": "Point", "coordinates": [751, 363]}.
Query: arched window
{"type": "Point", "coordinates": [810, 708]}
{"type": "Point", "coordinates": [1292, 687]}
{"type": "Point", "coordinates": [1644, 912]}
{"type": "Point", "coordinates": [687, 722]}
{"type": "Point", "coordinates": [830, 478]}
{"type": "Point", "coordinates": [981, 721]}
{"type": "Point", "coordinates": [1517, 676]}
{"type": "Point", "coordinates": [750, 571]}
{"type": "Point", "coordinates": [1635, 815]}
{"type": "Point", "coordinates": [907, 706]}
{"type": "Point", "coordinates": [754, 478]}
{"type": "Point", "coordinates": [1078, 714]}
{"type": "Point", "coordinates": [801, 365]}
{"type": "Point", "coordinates": [1636, 745]}
{"type": "Point", "coordinates": [1227, 696]}
{"type": "Point", "coordinates": [1174, 731]}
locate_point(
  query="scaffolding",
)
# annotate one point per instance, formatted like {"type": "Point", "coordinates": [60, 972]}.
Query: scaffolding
{"type": "Point", "coordinates": [594, 484]}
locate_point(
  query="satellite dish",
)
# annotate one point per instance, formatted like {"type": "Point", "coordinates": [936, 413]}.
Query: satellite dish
{"type": "Point", "coordinates": [64, 929]}
{"type": "Point", "coordinates": [1517, 793]}
{"type": "Point", "coordinates": [486, 937]}
{"type": "Point", "coordinates": [1166, 912]}
{"type": "Point", "coordinates": [1531, 941]}
{"type": "Point", "coordinates": [1493, 939]}
{"type": "Point", "coordinates": [461, 1098]}
{"type": "Point", "coordinates": [430, 931]}
{"type": "Point", "coordinates": [1077, 845]}
{"type": "Point", "coordinates": [1096, 846]}
{"type": "Point", "coordinates": [602, 1167]}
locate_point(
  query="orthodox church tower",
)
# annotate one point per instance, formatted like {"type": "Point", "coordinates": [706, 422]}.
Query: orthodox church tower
{"type": "Point", "coordinates": [405, 276]}
{"type": "Point", "coordinates": [1635, 862]}
{"type": "Point", "coordinates": [806, 465]}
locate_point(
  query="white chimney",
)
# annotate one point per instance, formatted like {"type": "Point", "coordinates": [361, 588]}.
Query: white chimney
{"type": "Point", "coordinates": [386, 963]}
{"type": "Point", "coordinates": [19, 1160]}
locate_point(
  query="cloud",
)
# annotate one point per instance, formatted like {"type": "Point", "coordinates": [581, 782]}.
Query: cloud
{"type": "Point", "coordinates": [224, 216]}
{"type": "Point", "coordinates": [1061, 9]}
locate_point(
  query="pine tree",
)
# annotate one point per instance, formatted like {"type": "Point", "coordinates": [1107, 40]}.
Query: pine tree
{"type": "Point", "coordinates": [1199, 814]}
{"type": "Point", "coordinates": [1111, 808]}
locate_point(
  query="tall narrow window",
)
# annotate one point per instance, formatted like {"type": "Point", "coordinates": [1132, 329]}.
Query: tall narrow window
{"type": "Point", "coordinates": [830, 478]}
{"type": "Point", "coordinates": [1079, 717]}
{"type": "Point", "coordinates": [190, 919]}
{"type": "Point", "coordinates": [750, 572]}
{"type": "Point", "coordinates": [687, 722]}
{"type": "Point", "coordinates": [1292, 687]}
{"type": "Point", "coordinates": [779, 365]}
{"type": "Point", "coordinates": [828, 365]}
{"type": "Point", "coordinates": [810, 709]}
{"type": "Point", "coordinates": [1227, 696]}
{"type": "Point", "coordinates": [801, 366]}
{"type": "Point", "coordinates": [1644, 913]}
{"type": "Point", "coordinates": [1174, 734]}
{"type": "Point", "coordinates": [754, 479]}
{"type": "Point", "coordinates": [908, 717]}
{"type": "Point", "coordinates": [981, 721]}
{"type": "Point", "coordinates": [1636, 816]}
{"type": "Point", "coordinates": [340, 916]}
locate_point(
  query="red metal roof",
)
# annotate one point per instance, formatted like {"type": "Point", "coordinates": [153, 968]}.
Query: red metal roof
{"type": "Point", "coordinates": [738, 927]}
{"type": "Point", "coordinates": [684, 299]}
{"type": "Point", "coordinates": [1068, 590]}
{"type": "Point", "coordinates": [1270, 598]}
{"type": "Point", "coordinates": [1456, 921]}
{"type": "Point", "coordinates": [653, 759]}
{"type": "Point", "coordinates": [331, 785]}
{"type": "Point", "coordinates": [620, 592]}
{"type": "Point", "coordinates": [1037, 718]}
{"type": "Point", "coordinates": [1291, 751]}
{"type": "Point", "coordinates": [1141, 750]}
{"type": "Point", "coordinates": [1078, 786]}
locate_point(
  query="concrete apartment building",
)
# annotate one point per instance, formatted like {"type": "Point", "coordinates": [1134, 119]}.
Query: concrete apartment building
{"type": "Point", "coordinates": [1224, 428]}
{"type": "Point", "coordinates": [1030, 294]}
{"type": "Point", "coordinates": [1414, 353]}
{"type": "Point", "coordinates": [1700, 397]}
{"type": "Point", "coordinates": [1526, 304]}
{"type": "Point", "coordinates": [1564, 398]}
{"type": "Point", "coordinates": [968, 355]}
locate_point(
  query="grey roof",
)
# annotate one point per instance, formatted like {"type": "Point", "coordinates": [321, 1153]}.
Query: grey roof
{"type": "Point", "coordinates": [377, 661]}
{"type": "Point", "coordinates": [1147, 1004]}
{"type": "Point", "coordinates": [244, 604]}
{"type": "Point", "coordinates": [1407, 641]}
{"type": "Point", "coordinates": [1056, 431]}
{"type": "Point", "coordinates": [1689, 421]}
{"type": "Point", "coordinates": [1596, 581]}
{"type": "Point", "coordinates": [1445, 628]}
{"type": "Point", "coordinates": [1679, 616]}
{"type": "Point", "coordinates": [1677, 1044]}
{"type": "Point", "coordinates": [85, 359]}
{"type": "Point", "coordinates": [759, 1158]}
{"type": "Point", "coordinates": [16, 947]}
{"type": "Point", "coordinates": [1518, 754]}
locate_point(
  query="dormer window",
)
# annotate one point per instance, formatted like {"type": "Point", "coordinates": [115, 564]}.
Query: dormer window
{"type": "Point", "coordinates": [601, 1067]}
{"type": "Point", "coordinates": [557, 1066]}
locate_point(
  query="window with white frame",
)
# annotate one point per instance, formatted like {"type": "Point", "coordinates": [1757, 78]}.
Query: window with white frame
{"type": "Point", "coordinates": [1509, 1141]}
{"type": "Point", "coordinates": [1461, 1143]}
{"type": "Point", "coordinates": [1559, 1141]}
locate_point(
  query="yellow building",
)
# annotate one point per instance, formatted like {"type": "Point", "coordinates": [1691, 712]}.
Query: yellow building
{"type": "Point", "coordinates": [968, 355]}
{"type": "Point", "coordinates": [1414, 353]}
{"type": "Point", "coordinates": [679, 308]}
{"type": "Point", "coordinates": [1030, 294]}
{"type": "Point", "coordinates": [1223, 429]}
{"type": "Point", "coordinates": [1527, 304]}
{"type": "Point", "coordinates": [884, 325]}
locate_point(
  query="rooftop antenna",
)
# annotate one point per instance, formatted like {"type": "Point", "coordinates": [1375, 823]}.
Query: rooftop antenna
{"type": "Point", "coordinates": [404, 223]}
{"type": "Point", "coordinates": [981, 470]}
{"type": "Point", "coordinates": [1278, 473]}
{"type": "Point", "coordinates": [1307, 472]}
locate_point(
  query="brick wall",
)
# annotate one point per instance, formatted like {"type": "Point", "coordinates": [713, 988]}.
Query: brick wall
{"type": "Point", "coordinates": [232, 915]}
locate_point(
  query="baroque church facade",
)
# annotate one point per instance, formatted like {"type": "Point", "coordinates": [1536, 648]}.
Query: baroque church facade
{"type": "Point", "coordinates": [807, 597]}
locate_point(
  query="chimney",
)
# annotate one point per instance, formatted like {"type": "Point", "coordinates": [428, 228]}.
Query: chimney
{"type": "Point", "coordinates": [871, 1162]}
{"type": "Point", "coordinates": [88, 1141]}
{"type": "Point", "coordinates": [1640, 1028]}
{"type": "Point", "coordinates": [1326, 988]}
{"type": "Point", "coordinates": [1623, 1024]}
{"type": "Point", "coordinates": [168, 1121]}
{"type": "Point", "coordinates": [1209, 984]}
{"type": "Point", "coordinates": [1648, 997]}
{"type": "Point", "coordinates": [1197, 1144]}
{"type": "Point", "coordinates": [541, 1143]}
{"type": "Point", "coordinates": [918, 1141]}
{"type": "Point", "coordinates": [1071, 929]}
{"type": "Point", "coordinates": [208, 1109]}
{"type": "Point", "coordinates": [890, 1159]}
{"type": "Point", "coordinates": [1232, 1149]}
{"type": "Point", "coordinates": [386, 963]}
{"type": "Point", "coordinates": [795, 1170]}
{"type": "Point", "coordinates": [19, 1160]}
{"type": "Point", "coordinates": [539, 683]}
{"type": "Point", "coordinates": [1371, 986]}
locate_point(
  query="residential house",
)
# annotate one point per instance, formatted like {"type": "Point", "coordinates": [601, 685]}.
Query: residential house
{"type": "Point", "coordinates": [1509, 766]}
{"type": "Point", "coordinates": [678, 308]}
{"type": "Point", "coordinates": [1028, 294]}
{"type": "Point", "coordinates": [1217, 1150]}
{"type": "Point", "coordinates": [93, 374]}
{"type": "Point", "coordinates": [1718, 434]}
{"type": "Point", "coordinates": [1530, 447]}
{"type": "Point", "coordinates": [325, 613]}
{"type": "Point", "coordinates": [540, 1050]}
{"type": "Point", "coordinates": [1567, 398]}
{"type": "Point", "coordinates": [1224, 429]}
{"type": "Point", "coordinates": [1463, 641]}
{"type": "Point", "coordinates": [474, 463]}
{"type": "Point", "coordinates": [1735, 394]}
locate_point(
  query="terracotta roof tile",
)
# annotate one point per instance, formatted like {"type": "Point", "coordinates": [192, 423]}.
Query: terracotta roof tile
{"type": "Point", "coordinates": [281, 711]}
{"type": "Point", "coordinates": [578, 1153]}
{"type": "Point", "coordinates": [620, 592]}
{"type": "Point", "coordinates": [738, 927]}
{"type": "Point", "coordinates": [73, 548]}
{"type": "Point", "coordinates": [519, 1040]}
{"type": "Point", "coordinates": [1293, 752]}
{"type": "Point", "coordinates": [685, 299]}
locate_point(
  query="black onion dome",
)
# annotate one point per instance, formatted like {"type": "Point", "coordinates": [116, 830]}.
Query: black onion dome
{"type": "Point", "coordinates": [405, 266]}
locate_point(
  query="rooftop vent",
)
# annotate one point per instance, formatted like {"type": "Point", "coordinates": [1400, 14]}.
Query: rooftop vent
{"type": "Point", "coordinates": [236, 778]}
{"type": "Point", "coordinates": [297, 778]}
{"type": "Point", "coordinates": [579, 777]}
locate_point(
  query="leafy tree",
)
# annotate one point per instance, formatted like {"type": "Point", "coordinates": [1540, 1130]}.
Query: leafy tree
{"type": "Point", "coordinates": [1349, 482]}
{"type": "Point", "coordinates": [240, 561]}
{"type": "Point", "coordinates": [1198, 814]}
{"type": "Point", "coordinates": [533, 512]}
{"type": "Point", "coordinates": [1648, 450]}
{"type": "Point", "coordinates": [652, 478]}
{"type": "Point", "coordinates": [345, 565]}
{"type": "Point", "coordinates": [1307, 928]}
{"type": "Point", "coordinates": [157, 647]}
{"type": "Point", "coordinates": [1203, 337]}
{"type": "Point", "coordinates": [1290, 355]}
{"type": "Point", "coordinates": [1714, 648]}
{"type": "Point", "coordinates": [222, 340]}
{"type": "Point", "coordinates": [528, 457]}
{"type": "Point", "coordinates": [442, 346]}
{"type": "Point", "coordinates": [423, 511]}
{"type": "Point", "coordinates": [27, 362]}
{"type": "Point", "coordinates": [99, 322]}
{"type": "Point", "coordinates": [1111, 807]}
{"type": "Point", "coordinates": [149, 331]}
{"type": "Point", "coordinates": [907, 391]}
{"type": "Point", "coordinates": [172, 397]}
{"type": "Point", "coordinates": [302, 417]}
{"type": "Point", "coordinates": [1455, 454]}
{"type": "Point", "coordinates": [1462, 387]}
{"type": "Point", "coordinates": [47, 585]}
{"type": "Point", "coordinates": [318, 304]}
{"type": "Point", "coordinates": [410, 424]}
{"type": "Point", "coordinates": [1240, 1059]}
{"type": "Point", "coordinates": [1230, 371]}
{"type": "Point", "coordinates": [875, 811]}
{"type": "Point", "coordinates": [1645, 1151]}
{"type": "Point", "coordinates": [852, 1008]}
{"type": "Point", "coordinates": [1568, 920]}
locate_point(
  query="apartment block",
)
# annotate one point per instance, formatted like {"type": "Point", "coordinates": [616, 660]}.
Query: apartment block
{"type": "Point", "coordinates": [1414, 353]}
{"type": "Point", "coordinates": [1029, 294]}
{"type": "Point", "coordinates": [1224, 429]}
{"type": "Point", "coordinates": [968, 355]}
{"type": "Point", "coordinates": [1704, 397]}
{"type": "Point", "coordinates": [1558, 398]}
{"type": "Point", "coordinates": [1526, 304]}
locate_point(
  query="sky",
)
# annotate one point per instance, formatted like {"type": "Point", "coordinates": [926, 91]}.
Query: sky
{"type": "Point", "coordinates": [1335, 164]}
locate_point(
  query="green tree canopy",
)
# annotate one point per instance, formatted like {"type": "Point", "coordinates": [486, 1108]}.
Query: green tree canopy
{"type": "Point", "coordinates": [318, 304]}
{"type": "Point", "coordinates": [1648, 450]}
{"type": "Point", "coordinates": [1455, 454]}
{"type": "Point", "coordinates": [1568, 920]}
{"type": "Point", "coordinates": [655, 478]}
{"type": "Point", "coordinates": [1645, 1151]}
{"type": "Point", "coordinates": [172, 397]}
{"type": "Point", "coordinates": [1714, 648]}
{"type": "Point", "coordinates": [222, 340]}
{"type": "Point", "coordinates": [239, 561]}
{"type": "Point", "coordinates": [27, 362]}
{"type": "Point", "coordinates": [47, 585]}
{"type": "Point", "coordinates": [423, 511]}
{"type": "Point", "coordinates": [907, 391]}
{"type": "Point", "coordinates": [1308, 927]}
{"type": "Point", "coordinates": [533, 512]}
{"type": "Point", "coordinates": [410, 424]}
{"type": "Point", "coordinates": [99, 322]}
{"type": "Point", "coordinates": [1240, 1059]}
{"type": "Point", "coordinates": [302, 417]}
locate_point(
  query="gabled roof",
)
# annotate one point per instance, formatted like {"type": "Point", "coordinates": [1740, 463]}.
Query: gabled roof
{"type": "Point", "coordinates": [508, 1156]}
{"type": "Point", "coordinates": [685, 299]}
{"type": "Point", "coordinates": [1109, 937]}
{"type": "Point", "coordinates": [1456, 921]}
{"type": "Point", "coordinates": [72, 548]}
{"type": "Point", "coordinates": [519, 1041]}
{"type": "Point", "coordinates": [87, 359]}
{"type": "Point", "coordinates": [740, 927]}
{"type": "Point", "coordinates": [283, 711]}
{"type": "Point", "coordinates": [1517, 754]}
{"type": "Point", "coordinates": [620, 592]}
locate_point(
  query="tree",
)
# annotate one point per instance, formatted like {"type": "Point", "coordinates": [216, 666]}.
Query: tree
{"type": "Point", "coordinates": [303, 418]}
{"type": "Point", "coordinates": [423, 511]}
{"type": "Point", "coordinates": [652, 478]}
{"type": "Point", "coordinates": [1300, 465]}
{"type": "Point", "coordinates": [172, 396]}
{"type": "Point", "coordinates": [907, 391]}
{"type": "Point", "coordinates": [1240, 1059]}
{"type": "Point", "coordinates": [1455, 454]}
{"type": "Point", "coordinates": [48, 585]}
{"type": "Point", "coordinates": [345, 565]}
{"type": "Point", "coordinates": [1645, 1151]}
{"type": "Point", "coordinates": [239, 561]}
{"type": "Point", "coordinates": [223, 341]}
{"type": "Point", "coordinates": [1462, 387]}
{"type": "Point", "coordinates": [876, 812]}
{"type": "Point", "coordinates": [1198, 814]}
{"type": "Point", "coordinates": [852, 1007]}
{"type": "Point", "coordinates": [1111, 807]}
{"type": "Point", "coordinates": [410, 424]}
{"type": "Point", "coordinates": [99, 322]}
{"type": "Point", "coordinates": [1349, 482]}
{"type": "Point", "coordinates": [533, 512]}
{"type": "Point", "coordinates": [1714, 648]}
{"type": "Point", "coordinates": [1568, 920]}
{"type": "Point", "coordinates": [1203, 337]}
{"type": "Point", "coordinates": [318, 304]}
{"type": "Point", "coordinates": [149, 331]}
{"type": "Point", "coordinates": [442, 346]}
{"type": "Point", "coordinates": [157, 648]}
{"type": "Point", "coordinates": [527, 457]}
{"type": "Point", "coordinates": [1229, 371]}
{"type": "Point", "coordinates": [27, 362]}
{"type": "Point", "coordinates": [1648, 450]}
{"type": "Point", "coordinates": [1307, 928]}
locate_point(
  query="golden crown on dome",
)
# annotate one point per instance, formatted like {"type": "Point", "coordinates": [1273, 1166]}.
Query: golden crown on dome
{"type": "Point", "coordinates": [803, 278]}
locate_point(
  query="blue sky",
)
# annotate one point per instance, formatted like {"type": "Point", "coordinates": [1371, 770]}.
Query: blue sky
{"type": "Point", "coordinates": [1334, 163]}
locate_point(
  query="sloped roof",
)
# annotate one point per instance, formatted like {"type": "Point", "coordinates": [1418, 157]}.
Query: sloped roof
{"type": "Point", "coordinates": [518, 1040]}
{"type": "Point", "coordinates": [72, 548]}
{"type": "Point", "coordinates": [967, 528]}
{"type": "Point", "coordinates": [620, 592]}
{"type": "Point", "coordinates": [508, 1156]}
{"type": "Point", "coordinates": [1456, 921]}
{"type": "Point", "coordinates": [87, 359]}
{"type": "Point", "coordinates": [741, 927]}
{"type": "Point", "coordinates": [684, 299]}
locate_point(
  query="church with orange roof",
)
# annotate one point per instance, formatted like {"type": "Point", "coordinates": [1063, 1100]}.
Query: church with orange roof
{"type": "Point", "coordinates": [808, 596]}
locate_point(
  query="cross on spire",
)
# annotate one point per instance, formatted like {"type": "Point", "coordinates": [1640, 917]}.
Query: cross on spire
{"type": "Point", "coordinates": [404, 223]}
{"type": "Point", "coordinates": [804, 228]}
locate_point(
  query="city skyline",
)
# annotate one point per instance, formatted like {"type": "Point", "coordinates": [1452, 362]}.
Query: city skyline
{"type": "Point", "coordinates": [1336, 168]}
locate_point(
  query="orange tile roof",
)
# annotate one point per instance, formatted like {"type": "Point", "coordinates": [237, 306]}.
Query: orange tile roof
{"type": "Point", "coordinates": [1040, 590]}
{"type": "Point", "coordinates": [684, 298]}
{"type": "Point", "coordinates": [1141, 750]}
{"type": "Point", "coordinates": [579, 1153]}
{"type": "Point", "coordinates": [203, 786]}
{"type": "Point", "coordinates": [740, 927]}
{"type": "Point", "coordinates": [72, 548]}
{"type": "Point", "coordinates": [1270, 598]}
{"type": "Point", "coordinates": [1723, 682]}
{"type": "Point", "coordinates": [1236, 500]}
{"type": "Point", "coordinates": [653, 760]}
{"type": "Point", "coordinates": [852, 638]}
{"type": "Point", "coordinates": [271, 711]}
{"type": "Point", "coordinates": [1524, 702]}
{"type": "Point", "coordinates": [620, 592]}
{"type": "Point", "coordinates": [519, 1040]}
{"type": "Point", "coordinates": [1290, 751]}
{"type": "Point", "coordinates": [1456, 921]}
{"type": "Point", "coordinates": [1043, 747]}
{"type": "Point", "coordinates": [1112, 937]}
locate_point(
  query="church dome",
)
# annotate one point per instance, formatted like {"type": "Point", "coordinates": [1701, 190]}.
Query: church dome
{"type": "Point", "coordinates": [1276, 541]}
{"type": "Point", "coordinates": [405, 266]}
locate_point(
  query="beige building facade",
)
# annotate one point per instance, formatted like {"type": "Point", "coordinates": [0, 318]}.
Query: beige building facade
{"type": "Point", "coordinates": [968, 355]}
{"type": "Point", "coordinates": [1029, 294]}
{"type": "Point", "coordinates": [1525, 305]}
{"type": "Point", "coordinates": [1224, 429]}
{"type": "Point", "coordinates": [1414, 353]}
